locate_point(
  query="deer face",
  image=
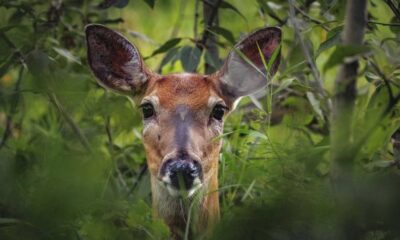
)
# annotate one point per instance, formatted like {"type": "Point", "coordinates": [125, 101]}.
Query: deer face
{"type": "Point", "coordinates": [183, 114]}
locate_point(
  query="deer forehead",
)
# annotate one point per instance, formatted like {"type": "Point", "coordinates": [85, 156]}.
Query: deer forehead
{"type": "Point", "coordinates": [192, 90]}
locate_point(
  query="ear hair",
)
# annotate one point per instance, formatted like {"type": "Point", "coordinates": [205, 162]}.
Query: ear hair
{"type": "Point", "coordinates": [114, 60]}
{"type": "Point", "coordinates": [244, 71]}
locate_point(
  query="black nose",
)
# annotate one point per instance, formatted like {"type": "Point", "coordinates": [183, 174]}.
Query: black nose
{"type": "Point", "coordinates": [182, 173]}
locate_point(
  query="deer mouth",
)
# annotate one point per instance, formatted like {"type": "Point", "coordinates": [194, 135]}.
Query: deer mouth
{"type": "Point", "coordinates": [181, 190]}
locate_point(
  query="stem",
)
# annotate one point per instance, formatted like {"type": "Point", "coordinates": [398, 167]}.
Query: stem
{"type": "Point", "coordinates": [342, 152]}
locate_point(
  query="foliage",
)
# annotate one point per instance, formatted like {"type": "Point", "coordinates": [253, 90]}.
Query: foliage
{"type": "Point", "coordinates": [72, 165]}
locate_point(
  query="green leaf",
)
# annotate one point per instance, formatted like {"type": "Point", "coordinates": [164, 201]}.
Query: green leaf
{"type": "Point", "coordinates": [166, 46]}
{"type": "Point", "coordinates": [4, 68]}
{"type": "Point", "coordinates": [190, 58]}
{"type": "Point", "coordinates": [342, 52]}
{"type": "Point", "coordinates": [151, 3]}
{"type": "Point", "coordinates": [285, 83]}
{"type": "Point", "coordinates": [215, 63]}
{"type": "Point", "coordinates": [171, 55]}
{"type": "Point", "coordinates": [315, 104]}
{"type": "Point", "coordinates": [274, 55]}
{"type": "Point", "coordinates": [332, 40]}
{"type": "Point", "coordinates": [121, 3]}
{"type": "Point", "coordinates": [228, 35]}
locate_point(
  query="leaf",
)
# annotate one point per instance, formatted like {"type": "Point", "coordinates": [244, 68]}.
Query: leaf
{"type": "Point", "coordinates": [151, 3]}
{"type": "Point", "coordinates": [228, 35]}
{"type": "Point", "coordinates": [190, 58]}
{"type": "Point", "coordinates": [67, 54]}
{"type": "Point", "coordinates": [342, 52]}
{"type": "Point", "coordinates": [7, 65]}
{"type": "Point", "coordinates": [121, 3]}
{"type": "Point", "coordinates": [315, 104]}
{"type": "Point", "coordinates": [285, 83]}
{"type": "Point", "coordinates": [334, 37]}
{"type": "Point", "coordinates": [226, 5]}
{"type": "Point", "coordinates": [271, 61]}
{"type": "Point", "coordinates": [113, 3]}
{"type": "Point", "coordinates": [171, 55]}
{"type": "Point", "coordinates": [5, 222]}
{"type": "Point", "coordinates": [166, 46]}
{"type": "Point", "coordinates": [215, 63]}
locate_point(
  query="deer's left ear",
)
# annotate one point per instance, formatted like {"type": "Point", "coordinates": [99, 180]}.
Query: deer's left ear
{"type": "Point", "coordinates": [245, 69]}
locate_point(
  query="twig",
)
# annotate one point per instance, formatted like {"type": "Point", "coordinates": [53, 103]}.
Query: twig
{"type": "Point", "coordinates": [142, 171]}
{"type": "Point", "coordinates": [196, 18]}
{"type": "Point", "coordinates": [385, 24]}
{"type": "Point", "coordinates": [311, 18]}
{"type": "Point", "coordinates": [384, 78]}
{"type": "Point", "coordinates": [393, 8]}
{"type": "Point", "coordinates": [53, 99]}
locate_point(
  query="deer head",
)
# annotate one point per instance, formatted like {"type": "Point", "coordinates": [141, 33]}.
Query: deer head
{"type": "Point", "coordinates": [183, 113]}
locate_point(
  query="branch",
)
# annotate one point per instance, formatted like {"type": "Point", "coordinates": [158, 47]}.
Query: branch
{"type": "Point", "coordinates": [385, 79]}
{"type": "Point", "coordinates": [393, 8]}
{"type": "Point", "coordinates": [70, 121]}
{"type": "Point", "coordinates": [210, 16]}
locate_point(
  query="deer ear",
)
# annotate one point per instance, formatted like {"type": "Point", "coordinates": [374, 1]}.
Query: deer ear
{"type": "Point", "coordinates": [245, 71]}
{"type": "Point", "coordinates": [114, 60]}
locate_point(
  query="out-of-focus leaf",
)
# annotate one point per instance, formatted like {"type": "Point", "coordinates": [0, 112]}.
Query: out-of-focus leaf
{"type": "Point", "coordinates": [151, 3]}
{"type": "Point", "coordinates": [342, 52]}
{"type": "Point", "coordinates": [166, 46]}
{"type": "Point", "coordinates": [190, 58]}
{"type": "Point", "coordinates": [228, 35]}
{"type": "Point", "coordinates": [285, 83]}
{"type": "Point", "coordinates": [6, 66]}
{"type": "Point", "coordinates": [315, 104]}
{"type": "Point", "coordinates": [67, 54]}
{"type": "Point", "coordinates": [211, 60]}
{"type": "Point", "coordinates": [380, 164]}
{"type": "Point", "coordinates": [121, 3]}
{"type": "Point", "coordinates": [226, 5]}
{"type": "Point", "coordinates": [38, 62]}
{"type": "Point", "coordinates": [5, 222]}
{"type": "Point", "coordinates": [332, 40]}
{"type": "Point", "coordinates": [110, 3]}
{"type": "Point", "coordinates": [172, 55]}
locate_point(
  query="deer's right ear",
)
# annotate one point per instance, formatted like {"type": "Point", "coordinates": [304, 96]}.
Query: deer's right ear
{"type": "Point", "coordinates": [114, 60]}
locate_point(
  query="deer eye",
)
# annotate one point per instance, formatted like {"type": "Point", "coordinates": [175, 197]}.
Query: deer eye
{"type": "Point", "coordinates": [218, 112]}
{"type": "Point", "coordinates": [147, 110]}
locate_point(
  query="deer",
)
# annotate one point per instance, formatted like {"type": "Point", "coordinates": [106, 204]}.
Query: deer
{"type": "Point", "coordinates": [183, 116]}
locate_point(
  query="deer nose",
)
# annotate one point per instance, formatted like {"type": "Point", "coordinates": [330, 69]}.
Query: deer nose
{"type": "Point", "coordinates": [182, 173]}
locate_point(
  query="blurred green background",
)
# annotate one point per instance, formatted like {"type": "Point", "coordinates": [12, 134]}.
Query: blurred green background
{"type": "Point", "coordinates": [72, 165]}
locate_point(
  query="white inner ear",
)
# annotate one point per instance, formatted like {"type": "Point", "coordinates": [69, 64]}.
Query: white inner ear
{"type": "Point", "coordinates": [242, 76]}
